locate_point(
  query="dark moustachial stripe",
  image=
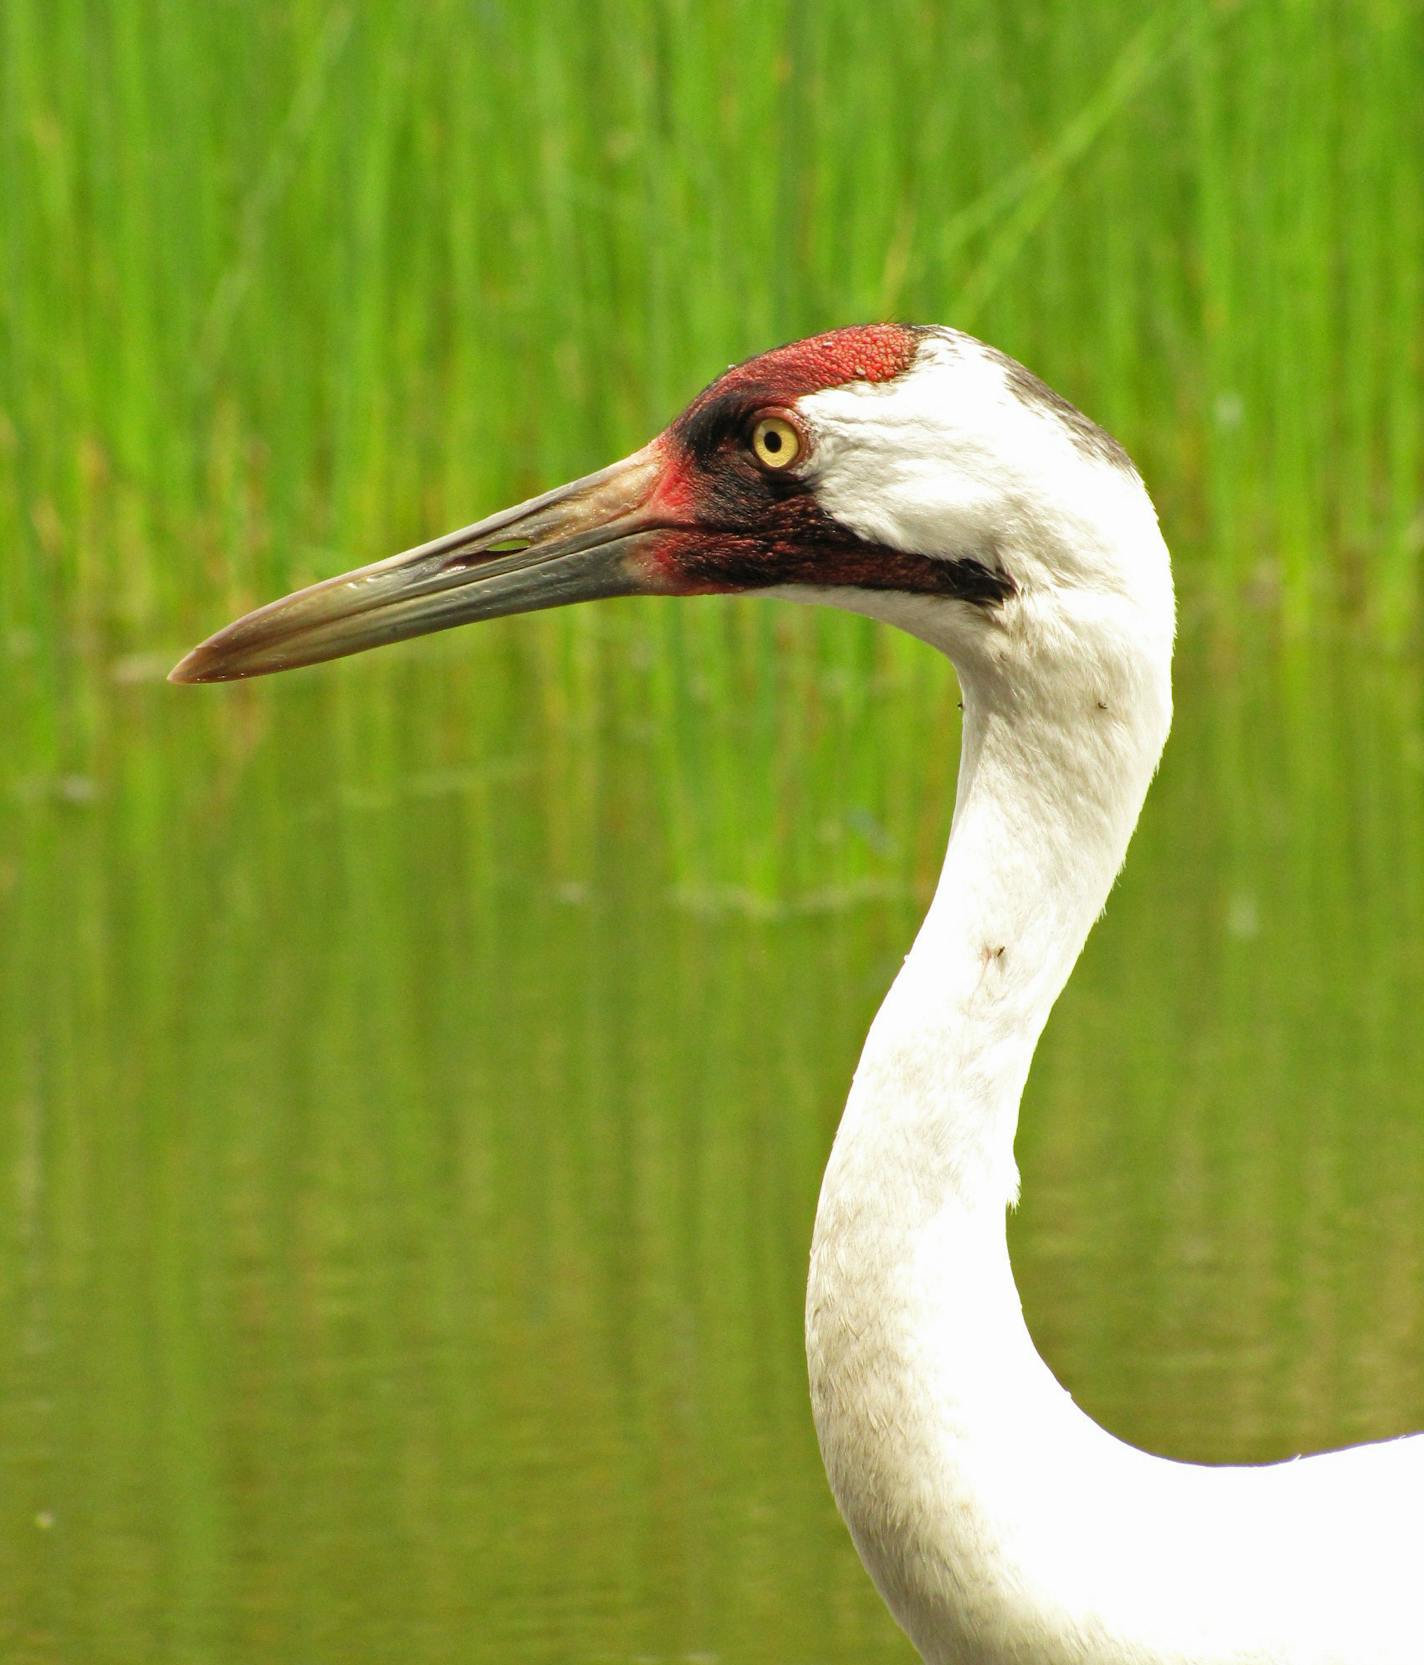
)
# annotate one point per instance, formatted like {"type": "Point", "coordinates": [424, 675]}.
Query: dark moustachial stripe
{"type": "Point", "coordinates": [711, 563]}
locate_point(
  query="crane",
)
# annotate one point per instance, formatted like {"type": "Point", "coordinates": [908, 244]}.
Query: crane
{"type": "Point", "coordinates": [921, 477]}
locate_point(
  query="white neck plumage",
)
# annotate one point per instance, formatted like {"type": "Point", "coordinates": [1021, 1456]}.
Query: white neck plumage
{"type": "Point", "coordinates": [1000, 1523]}
{"type": "Point", "coordinates": [924, 1382]}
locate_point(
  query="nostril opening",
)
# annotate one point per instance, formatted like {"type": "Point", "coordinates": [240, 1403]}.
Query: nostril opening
{"type": "Point", "coordinates": [487, 552]}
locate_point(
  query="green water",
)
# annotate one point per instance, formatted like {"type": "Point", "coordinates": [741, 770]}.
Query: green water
{"type": "Point", "coordinates": [408, 1161]}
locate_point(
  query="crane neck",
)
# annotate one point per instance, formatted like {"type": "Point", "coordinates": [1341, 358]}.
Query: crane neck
{"type": "Point", "coordinates": [1049, 793]}
{"type": "Point", "coordinates": [924, 1379]}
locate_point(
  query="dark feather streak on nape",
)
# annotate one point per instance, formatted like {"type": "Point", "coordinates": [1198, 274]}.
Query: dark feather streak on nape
{"type": "Point", "coordinates": [1090, 439]}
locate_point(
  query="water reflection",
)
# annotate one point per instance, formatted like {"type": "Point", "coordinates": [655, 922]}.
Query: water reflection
{"type": "Point", "coordinates": [413, 1091]}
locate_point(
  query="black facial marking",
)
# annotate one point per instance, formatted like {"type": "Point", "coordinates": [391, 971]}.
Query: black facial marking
{"type": "Point", "coordinates": [760, 527]}
{"type": "Point", "coordinates": [811, 548]}
{"type": "Point", "coordinates": [712, 423]}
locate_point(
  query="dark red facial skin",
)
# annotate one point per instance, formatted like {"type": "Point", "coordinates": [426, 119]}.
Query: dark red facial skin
{"type": "Point", "coordinates": [742, 526]}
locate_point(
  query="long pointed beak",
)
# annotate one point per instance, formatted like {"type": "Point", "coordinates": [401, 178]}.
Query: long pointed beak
{"type": "Point", "coordinates": [578, 543]}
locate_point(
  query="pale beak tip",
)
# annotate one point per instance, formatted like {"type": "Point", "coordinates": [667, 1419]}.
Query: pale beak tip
{"type": "Point", "coordinates": [186, 671]}
{"type": "Point", "coordinates": [205, 663]}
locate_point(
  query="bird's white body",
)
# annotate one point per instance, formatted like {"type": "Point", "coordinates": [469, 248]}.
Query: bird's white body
{"type": "Point", "coordinates": [921, 477]}
{"type": "Point", "coordinates": [999, 1522]}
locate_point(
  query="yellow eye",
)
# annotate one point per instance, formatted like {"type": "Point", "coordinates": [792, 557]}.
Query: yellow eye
{"type": "Point", "coordinates": [776, 442]}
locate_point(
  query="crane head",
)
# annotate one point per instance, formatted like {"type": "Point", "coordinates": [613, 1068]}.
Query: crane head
{"type": "Point", "coordinates": [907, 472]}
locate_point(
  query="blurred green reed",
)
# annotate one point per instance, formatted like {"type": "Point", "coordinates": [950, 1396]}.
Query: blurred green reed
{"type": "Point", "coordinates": [281, 281]}
{"type": "Point", "coordinates": [286, 286]}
